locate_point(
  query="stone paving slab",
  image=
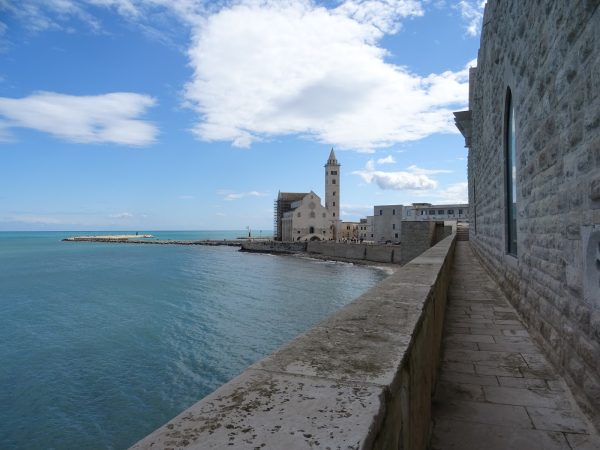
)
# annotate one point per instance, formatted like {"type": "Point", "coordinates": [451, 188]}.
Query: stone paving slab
{"type": "Point", "coordinates": [496, 390]}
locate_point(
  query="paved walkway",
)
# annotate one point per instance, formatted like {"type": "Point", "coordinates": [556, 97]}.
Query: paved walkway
{"type": "Point", "coordinates": [496, 390]}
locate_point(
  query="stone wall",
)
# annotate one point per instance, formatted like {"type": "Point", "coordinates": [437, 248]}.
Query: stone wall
{"type": "Point", "coordinates": [273, 247]}
{"type": "Point", "coordinates": [337, 250]}
{"type": "Point", "coordinates": [416, 237]}
{"type": "Point", "coordinates": [548, 53]}
{"type": "Point", "coordinates": [363, 378]}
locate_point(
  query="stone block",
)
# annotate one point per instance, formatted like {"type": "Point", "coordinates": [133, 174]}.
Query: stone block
{"type": "Point", "coordinates": [557, 420]}
{"type": "Point", "coordinates": [455, 434]}
{"type": "Point", "coordinates": [260, 409]}
{"type": "Point", "coordinates": [525, 397]}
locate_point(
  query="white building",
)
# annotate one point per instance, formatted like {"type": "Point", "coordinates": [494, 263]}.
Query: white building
{"type": "Point", "coordinates": [301, 217]}
{"type": "Point", "coordinates": [427, 211]}
{"type": "Point", "coordinates": [308, 220]}
{"type": "Point", "coordinates": [365, 229]}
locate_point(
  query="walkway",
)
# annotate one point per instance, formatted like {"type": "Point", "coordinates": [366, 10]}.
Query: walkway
{"type": "Point", "coordinates": [496, 390]}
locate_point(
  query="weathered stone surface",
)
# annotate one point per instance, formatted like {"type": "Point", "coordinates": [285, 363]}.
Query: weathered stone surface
{"type": "Point", "coordinates": [262, 409]}
{"type": "Point", "coordinates": [457, 435]}
{"type": "Point", "coordinates": [557, 420]}
{"type": "Point", "coordinates": [548, 54]}
{"type": "Point", "coordinates": [513, 399]}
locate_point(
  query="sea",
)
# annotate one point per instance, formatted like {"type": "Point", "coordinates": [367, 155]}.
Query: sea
{"type": "Point", "coordinates": [101, 343]}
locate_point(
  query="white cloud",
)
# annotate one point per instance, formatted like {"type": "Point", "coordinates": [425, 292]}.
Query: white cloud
{"type": "Point", "coordinates": [389, 159]}
{"type": "Point", "coordinates": [267, 68]}
{"type": "Point", "coordinates": [41, 15]}
{"type": "Point", "coordinates": [229, 195]}
{"type": "Point", "coordinates": [455, 193]}
{"type": "Point", "coordinates": [355, 210]}
{"type": "Point", "coordinates": [111, 118]}
{"type": "Point", "coordinates": [123, 215]}
{"type": "Point", "coordinates": [420, 171]}
{"type": "Point", "coordinates": [384, 15]}
{"type": "Point", "coordinates": [413, 178]}
{"type": "Point", "coordinates": [472, 12]}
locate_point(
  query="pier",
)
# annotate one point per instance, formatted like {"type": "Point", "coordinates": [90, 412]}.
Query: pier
{"type": "Point", "coordinates": [145, 239]}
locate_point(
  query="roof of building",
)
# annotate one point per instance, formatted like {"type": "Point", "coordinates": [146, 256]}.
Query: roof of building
{"type": "Point", "coordinates": [291, 196]}
{"type": "Point", "coordinates": [332, 159]}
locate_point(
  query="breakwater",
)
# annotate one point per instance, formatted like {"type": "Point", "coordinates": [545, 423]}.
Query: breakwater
{"type": "Point", "coordinates": [210, 242]}
{"type": "Point", "coordinates": [363, 378]}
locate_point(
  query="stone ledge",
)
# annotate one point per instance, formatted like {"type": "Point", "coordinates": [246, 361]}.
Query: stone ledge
{"type": "Point", "coordinates": [361, 379]}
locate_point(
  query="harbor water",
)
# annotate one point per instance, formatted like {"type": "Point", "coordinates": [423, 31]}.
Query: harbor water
{"type": "Point", "coordinates": [101, 343]}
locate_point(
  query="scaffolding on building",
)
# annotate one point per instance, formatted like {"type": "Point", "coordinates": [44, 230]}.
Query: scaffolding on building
{"type": "Point", "coordinates": [281, 205]}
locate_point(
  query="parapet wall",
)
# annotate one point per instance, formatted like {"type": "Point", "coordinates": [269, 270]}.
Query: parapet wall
{"type": "Point", "coordinates": [362, 378]}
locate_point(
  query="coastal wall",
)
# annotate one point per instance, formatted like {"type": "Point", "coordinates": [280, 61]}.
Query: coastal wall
{"type": "Point", "coordinates": [362, 378]}
{"type": "Point", "coordinates": [273, 247]}
{"type": "Point", "coordinates": [543, 58]}
{"type": "Point", "coordinates": [416, 237]}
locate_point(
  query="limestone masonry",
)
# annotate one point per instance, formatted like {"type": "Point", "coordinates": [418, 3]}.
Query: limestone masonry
{"type": "Point", "coordinates": [533, 129]}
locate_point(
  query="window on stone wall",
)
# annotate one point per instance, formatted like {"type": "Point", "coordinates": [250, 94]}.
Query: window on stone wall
{"type": "Point", "coordinates": [460, 211]}
{"type": "Point", "coordinates": [393, 226]}
{"type": "Point", "coordinates": [510, 146]}
{"type": "Point", "coordinates": [333, 181]}
{"type": "Point", "coordinates": [450, 211]}
{"type": "Point", "coordinates": [432, 212]}
{"type": "Point", "coordinates": [440, 211]}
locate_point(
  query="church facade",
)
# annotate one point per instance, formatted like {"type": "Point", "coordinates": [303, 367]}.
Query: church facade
{"type": "Point", "coordinates": [300, 216]}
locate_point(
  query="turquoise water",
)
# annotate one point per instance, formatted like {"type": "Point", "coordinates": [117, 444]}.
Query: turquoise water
{"type": "Point", "coordinates": [102, 343]}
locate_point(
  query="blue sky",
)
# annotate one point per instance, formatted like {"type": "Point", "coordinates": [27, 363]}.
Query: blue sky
{"type": "Point", "coordinates": [193, 114]}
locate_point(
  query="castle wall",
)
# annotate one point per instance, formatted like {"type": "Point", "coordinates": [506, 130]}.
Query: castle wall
{"type": "Point", "coordinates": [548, 53]}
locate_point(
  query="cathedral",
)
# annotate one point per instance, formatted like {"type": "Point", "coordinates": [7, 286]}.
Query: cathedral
{"type": "Point", "coordinates": [300, 216]}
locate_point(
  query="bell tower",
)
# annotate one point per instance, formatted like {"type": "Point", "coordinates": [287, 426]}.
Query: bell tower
{"type": "Point", "coordinates": [332, 187]}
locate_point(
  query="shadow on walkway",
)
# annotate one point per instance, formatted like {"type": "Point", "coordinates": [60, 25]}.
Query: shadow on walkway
{"type": "Point", "coordinates": [496, 391]}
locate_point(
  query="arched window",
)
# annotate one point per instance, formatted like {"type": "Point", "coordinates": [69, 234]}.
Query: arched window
{"type": "Point", "coordinates": [311, 230]}
{"type": "Point", "coordinates": [510, 152]}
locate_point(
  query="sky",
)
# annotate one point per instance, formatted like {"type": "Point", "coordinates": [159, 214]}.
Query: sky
{"type": "Point", "coordinates": [193, 114]}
